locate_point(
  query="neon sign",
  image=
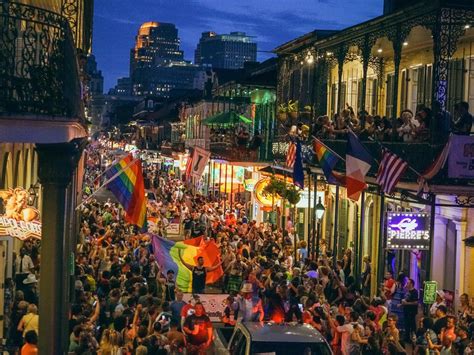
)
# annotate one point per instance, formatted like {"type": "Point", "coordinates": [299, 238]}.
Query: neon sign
{"type": "Point", "coordinates": [408, 230]}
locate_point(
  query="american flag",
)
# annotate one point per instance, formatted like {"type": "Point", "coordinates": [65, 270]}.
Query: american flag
{"type": "Point", "coordinates": [291, 155]}
{"type": "Point", "coordinates": [390, 171]}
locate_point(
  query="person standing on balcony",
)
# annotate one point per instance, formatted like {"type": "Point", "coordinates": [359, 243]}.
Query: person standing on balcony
{"type": "Point", "coordinates": [462, 122]}
{"type": "Point", "coordinates": [407, 129]}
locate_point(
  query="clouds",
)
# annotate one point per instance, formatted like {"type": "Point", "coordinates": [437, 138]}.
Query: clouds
{"type": "Point", "coordinates": [272, 22]}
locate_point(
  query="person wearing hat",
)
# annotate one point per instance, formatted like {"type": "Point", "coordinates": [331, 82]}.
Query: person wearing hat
{"type": "Point", "coordinates": [250, 306]}
{"type": "Point", "coordinates": [439, 301]}
{"type": "Point", "coordinates": [29, 289]}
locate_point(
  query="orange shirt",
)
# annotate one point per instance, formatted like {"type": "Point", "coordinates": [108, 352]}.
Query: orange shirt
{"type": "Point", "coordinates": [29, 349]}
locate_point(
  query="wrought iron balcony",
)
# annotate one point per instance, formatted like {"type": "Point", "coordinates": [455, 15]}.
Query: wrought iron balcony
{"type": "Point", "coordinates": [233, 153]}
{"type": "Point", "coordinates": [418, 155]}
{"type": "Point", "coordinates": [39, 72]}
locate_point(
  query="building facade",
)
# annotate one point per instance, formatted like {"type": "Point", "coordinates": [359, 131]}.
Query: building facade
{"type": "Point", "coordinates": [42, 134]}
{"type": "Point", "coordinates": [417, 56]}
{"type": "Point", "coordinates": [227, 51]}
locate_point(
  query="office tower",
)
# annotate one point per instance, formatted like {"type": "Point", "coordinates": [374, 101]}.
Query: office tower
{"type": "Point", "coordinates": [227, 51]}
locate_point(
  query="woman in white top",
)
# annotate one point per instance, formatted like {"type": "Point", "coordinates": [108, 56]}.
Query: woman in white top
{"type": "Point", "coordinates": [407, 131]}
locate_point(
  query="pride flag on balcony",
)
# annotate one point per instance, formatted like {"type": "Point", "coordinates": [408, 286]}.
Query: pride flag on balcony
{"type": "Point", "coordinates": [167, 255]}
{"type": "Point", "coordinates": [126, 183]}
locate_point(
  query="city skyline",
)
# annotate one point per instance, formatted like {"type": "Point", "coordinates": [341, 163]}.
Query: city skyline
{"type": "Point", "coordinates": [270, 23]}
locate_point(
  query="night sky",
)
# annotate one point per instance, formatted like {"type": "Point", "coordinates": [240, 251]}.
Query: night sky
{"type": "Point", "coordinates": [272, 22]}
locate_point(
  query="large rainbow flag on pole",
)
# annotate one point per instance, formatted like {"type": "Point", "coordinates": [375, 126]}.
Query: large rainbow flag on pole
{"type": "Point", "coordinates": [126, 183]}
{"type": "Point", "coordinates": [167, 255]}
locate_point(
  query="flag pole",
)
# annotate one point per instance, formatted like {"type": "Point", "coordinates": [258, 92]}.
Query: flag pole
{"type": "Point", "coordinates": [106, 183]}
{"type": "Point", "coordinates": [332, 151]}
{"type": "Point", "coordinates": [383, 147]}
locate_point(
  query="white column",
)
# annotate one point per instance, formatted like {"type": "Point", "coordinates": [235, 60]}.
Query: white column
{"type": "Point", "coordinates": [460, 259]}
{"type": "Point", "coordinates": [438, 253]}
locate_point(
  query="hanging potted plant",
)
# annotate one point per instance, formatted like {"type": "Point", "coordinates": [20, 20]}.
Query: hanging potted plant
{"type": "Point", "coordinates": [306, 113]}
{"type": "Point", "coordinates": [292, 195]}
{"type": "Point", "coordinates": [292, 108]}
{"type": "Point", "coordinates": [282, 112]}
{"type": "Point", "coordinates": [275, 187]}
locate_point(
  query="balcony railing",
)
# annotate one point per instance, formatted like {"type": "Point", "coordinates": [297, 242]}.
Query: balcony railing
{"type": "Point", "coordinates": [38, 63]}
{"type": "Point", "coordinates": [419, 156]}
{"type": "Point", "coordinates": [233, 152]}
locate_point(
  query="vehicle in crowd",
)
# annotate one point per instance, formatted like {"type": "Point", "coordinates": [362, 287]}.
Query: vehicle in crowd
{"type": "Point", "coordinates": [271, 338]}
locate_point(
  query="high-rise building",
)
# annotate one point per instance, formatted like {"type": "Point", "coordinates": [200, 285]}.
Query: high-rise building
{"type": "Point", "coordinates": [227, 51]}
{"type": "Point", "coordinates": [157, 64]}
{"type": "Point", "coordinates": [155, 44]}
{"type": "Point", "coordinates": [96, 79]}
{"type": "Point", "coordinates": [122, 88]}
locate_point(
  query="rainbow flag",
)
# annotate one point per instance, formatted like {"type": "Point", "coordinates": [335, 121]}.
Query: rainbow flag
{"type": "Point", "coordinates": [167, 255]}
{"type": "Point", "coordinates": [328, 160]}
{"type": "Point", "coordinates": [128, 187]}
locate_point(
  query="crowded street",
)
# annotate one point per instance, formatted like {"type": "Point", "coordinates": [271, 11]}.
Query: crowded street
{"type": "Point", "coordinates": [206, 177]}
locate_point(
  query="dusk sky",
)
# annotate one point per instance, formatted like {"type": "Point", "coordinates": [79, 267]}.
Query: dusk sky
{"type": "Point", "coordinates": [272, 22]}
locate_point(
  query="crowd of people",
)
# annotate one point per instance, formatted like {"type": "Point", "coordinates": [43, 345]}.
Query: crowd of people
{"type": "Point", "coordinates": [125, 302]}
{"type": "Point", "coordinates": [409, 127]}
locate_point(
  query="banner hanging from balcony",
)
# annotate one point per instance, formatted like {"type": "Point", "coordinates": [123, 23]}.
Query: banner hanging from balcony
{"type": "Point", "coordinates": [17, 218]}
{"type": "Point", "coordinates": [200, 160]}
{"type": "Point", "coordinates": [408, 231]}
{"type": "Point", "coordinates": [461, 157]}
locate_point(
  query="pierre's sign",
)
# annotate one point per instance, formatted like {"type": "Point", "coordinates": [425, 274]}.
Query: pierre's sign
{"type": "Point", "coordinates": [461, 157]}
{"type": "Point", "coordinates": [408, 230]}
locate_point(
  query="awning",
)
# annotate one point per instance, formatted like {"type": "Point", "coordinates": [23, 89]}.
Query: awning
{"type": "Point", "coordinates": [226, 118]}
{"type": "Point", "coordinates": [278, 171]}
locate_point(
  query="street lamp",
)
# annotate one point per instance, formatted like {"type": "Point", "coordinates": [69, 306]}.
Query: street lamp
{"type": "Point", "coordinates": [319, 214]}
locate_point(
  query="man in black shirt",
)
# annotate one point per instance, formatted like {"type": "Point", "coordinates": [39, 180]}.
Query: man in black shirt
{"type": "Point", "coordinates": [410, 308]}
{"type": "Point", "coordinates": [170, 286]}
{"type": "Point", "coordinates": [198, 330]}
{"type": "Point", "coordinates": [199, 273]}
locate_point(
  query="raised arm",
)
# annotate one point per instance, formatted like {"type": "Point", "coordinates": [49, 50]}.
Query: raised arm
{"type": "Point", "coordinates": [188, 266]}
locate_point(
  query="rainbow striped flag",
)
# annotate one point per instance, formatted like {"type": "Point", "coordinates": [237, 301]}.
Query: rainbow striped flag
{"type": "Point", "coordinates": [328, 160]}
{"type": "Point", "coordinates": [128, 187]}
{"type": "Point", "coordinates": [167, 255]}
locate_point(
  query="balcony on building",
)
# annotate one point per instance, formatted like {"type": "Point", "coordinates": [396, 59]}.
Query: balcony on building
{"type": "Point", "coordinates": [416, 59]}
{"type": "Point", "coordinates": [236, 125]}
{"type": "Point", "coordinates": [40, 83]}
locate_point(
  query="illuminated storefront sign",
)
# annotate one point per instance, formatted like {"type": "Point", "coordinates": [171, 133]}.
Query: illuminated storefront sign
{"type": "Point", "coordinates": [408, 230]}
{"type": "Point", "coordinates": [17, 218]}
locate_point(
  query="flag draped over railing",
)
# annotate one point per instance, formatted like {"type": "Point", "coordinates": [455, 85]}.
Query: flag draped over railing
{"type": "Point", "coordinates": [391, 169]}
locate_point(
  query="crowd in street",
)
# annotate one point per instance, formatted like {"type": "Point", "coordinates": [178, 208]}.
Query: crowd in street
{"type": "Point", "coordinates": [125, 303]}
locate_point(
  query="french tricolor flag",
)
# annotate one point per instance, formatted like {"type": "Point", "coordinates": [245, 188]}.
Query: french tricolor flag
{"type": "Point", "coordinates": [358, 163]}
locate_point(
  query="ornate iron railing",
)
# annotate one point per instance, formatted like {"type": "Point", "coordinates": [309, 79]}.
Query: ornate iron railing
{"type": "Point", "coordinates": [39, 72]}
